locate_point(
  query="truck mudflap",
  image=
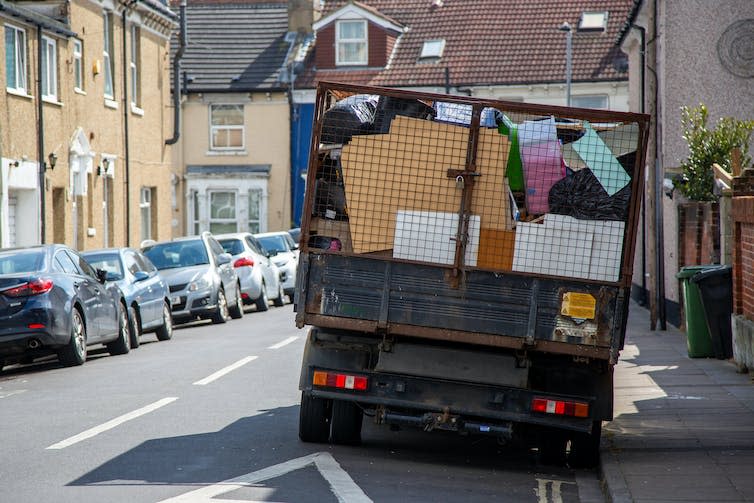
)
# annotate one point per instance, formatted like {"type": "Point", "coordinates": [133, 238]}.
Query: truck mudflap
{"type": "Point", "coordinates": [431, 403]}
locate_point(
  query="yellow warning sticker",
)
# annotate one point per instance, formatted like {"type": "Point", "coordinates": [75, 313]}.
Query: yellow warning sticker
{"type": "Point", "coordinates": [578, 305]}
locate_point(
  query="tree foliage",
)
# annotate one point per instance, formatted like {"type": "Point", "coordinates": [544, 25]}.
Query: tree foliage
{"type": "Point", "coordinates": [709, 146]}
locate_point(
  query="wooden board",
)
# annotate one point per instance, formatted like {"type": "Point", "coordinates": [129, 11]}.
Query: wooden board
{"type": "Point", "coordinates": [406, 169]}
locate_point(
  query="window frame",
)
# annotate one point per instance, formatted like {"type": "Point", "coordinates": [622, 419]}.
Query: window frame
{"type": "Point", "coordinates": [107, 55]}
{"type": "Point", "coordinates": [145, 212]}
{"type": "Point", "coordinates": [78, 65]}
{"type": "Point", "coordinates": [342, 42]}
{"type": "Point", "coordinates": [135, 66]}
{"type": "Point", "coordinates": [575, 98]}
{"type": "Point", "coordinates": [49, 69]}
{"type": "Point", "coordinates": [20, 59]}
{"type": "Point", "coordinates": [213, 128]}
{"type": "Point", "coordinates": [258, 220]}
{"type": "Point", "coordinates": [211, 219]}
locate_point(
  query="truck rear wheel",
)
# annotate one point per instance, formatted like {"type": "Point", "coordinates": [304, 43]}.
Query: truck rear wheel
{"type": "Point", "coordinates": [585, 448]}
{"type": "Point", "coordinates": [313, 419]}
{"type": "Point", "coordinates": [552, 445]}
{"type": "Point", "coordinates": [346, 423]}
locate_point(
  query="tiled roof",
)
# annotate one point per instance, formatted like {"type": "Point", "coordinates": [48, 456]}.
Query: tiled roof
{"type": "Point", "coordinates": [488, 42]}
{"type": "Point", "coordinates": [235, 46]}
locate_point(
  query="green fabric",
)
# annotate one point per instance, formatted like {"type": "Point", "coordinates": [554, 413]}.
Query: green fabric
{"type": "Point", "coordinates": [514, 171]}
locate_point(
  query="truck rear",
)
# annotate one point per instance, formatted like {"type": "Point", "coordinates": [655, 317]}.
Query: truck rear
{"type": "Point", "coordinates": [466, 265]}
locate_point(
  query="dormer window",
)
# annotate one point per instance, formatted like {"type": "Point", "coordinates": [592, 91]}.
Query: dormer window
{"type": "Point", "coordinates": [593, 21]}
{"type": "Point", "coordinates": [432, 49]}
{"type": "Point", "coordinates": [351, 42]}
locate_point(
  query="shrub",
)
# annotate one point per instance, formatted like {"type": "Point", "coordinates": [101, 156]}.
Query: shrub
{"type": "Point", "coordinates": [709, 146]}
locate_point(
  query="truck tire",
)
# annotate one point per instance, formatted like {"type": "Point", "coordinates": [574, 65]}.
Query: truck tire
{"type": "Point", "coordinates": [585, 448]}
{"type": "Point", "coordinates": [313, 419]}
{"type": "Point", "coordinates": [346, 423]}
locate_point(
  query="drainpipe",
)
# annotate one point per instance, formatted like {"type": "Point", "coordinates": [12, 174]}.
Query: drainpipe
{"type": "Point", "coordinates": [177, 78]}
{"type": "Point", "coordinates": [643, 297]}
{"type": "Point", "coordinates": [41, 141]}
{"type": "Point", "coordinates": [659, 175]}
{"type": "Point", "coordinates": [126, 110]}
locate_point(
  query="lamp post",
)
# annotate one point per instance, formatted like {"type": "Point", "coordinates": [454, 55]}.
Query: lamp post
{"type": "Point", "coordinates": [569, 59]}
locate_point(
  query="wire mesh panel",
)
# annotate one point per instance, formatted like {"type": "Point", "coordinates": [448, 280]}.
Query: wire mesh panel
{"type": "Point", "coordinates": [473, 184]}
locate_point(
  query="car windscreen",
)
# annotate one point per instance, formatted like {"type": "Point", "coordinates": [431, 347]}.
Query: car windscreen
{"type": "Point", "coordinates": [108, 262]}
{"type": "Point", "coordinates": [177, 254]}
{"type": "Point", "coordinates": [274, 243]}
{"type": "Point", "coordinates": [232, 246]}
{"type": "Point", "coordinates": [21, 261]}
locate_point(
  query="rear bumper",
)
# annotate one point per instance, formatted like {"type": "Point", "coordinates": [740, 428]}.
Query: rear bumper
{"type": "Point", "coordinates": [23, 342]}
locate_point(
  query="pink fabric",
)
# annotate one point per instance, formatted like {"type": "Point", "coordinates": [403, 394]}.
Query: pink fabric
{"type": "Point", "coordinates": [542, 161]}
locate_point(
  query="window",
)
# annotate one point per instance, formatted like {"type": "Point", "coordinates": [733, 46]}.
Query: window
{"type": "Point", "coordinates": [432, 49]}
{"type": "Point", "coordinates": [226, 127]}
{"type": "Point", "coordinates": [598, 102]}
{"type": "Point", "coordinates": [49, 71]}
{"type": "Point", "coordinates": [255, 207]}
{"type": "Point", "coordinates": [222, 212]}
{"type": "Point", "coordinates": [195, 212]}
{"type": "Point", "coordinates": [78, 65]}
{"type": "Point", "coordinates": [107, 53]}
{"type": "Point", "coordinates": [135, 56]}
{"type": "Point", "coordinates": [351, 41]}
{"type": "Point", "coordinates": [145, 206]}
{"type": "Point", "coordinates": [593, 21]}
{"type": "Point", "coordinates": [15, 59]}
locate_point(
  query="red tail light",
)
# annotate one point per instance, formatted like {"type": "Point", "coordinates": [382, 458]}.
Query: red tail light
{"type": "Point", "coordinates": [560, 407]}
{"type": "Point", "coordinates": [33, 287]}
{"type": "Point", "coordinates": [243, 261]}
{"type": "Point", "coordinates": [343, 381]}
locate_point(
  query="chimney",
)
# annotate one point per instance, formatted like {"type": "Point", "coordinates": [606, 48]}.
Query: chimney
{"type": "Point", "coordinates": [301, 15]}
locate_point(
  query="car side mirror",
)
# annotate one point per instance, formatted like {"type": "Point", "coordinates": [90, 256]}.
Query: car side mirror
{"type": "Point", "coordinates": [224, 258]}
{"type": "Point", "coordinates": [272, 253]}
{"type": "Point", "coordinates": [140, 276]}
{"type": "Point", "coordinates": [101, 275]}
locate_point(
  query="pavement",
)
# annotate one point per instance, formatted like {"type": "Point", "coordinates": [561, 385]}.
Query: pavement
{"type": "Point", "coordinates": [683, 428]}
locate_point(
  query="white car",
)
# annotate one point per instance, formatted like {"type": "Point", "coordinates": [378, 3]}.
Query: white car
{"type": "Point", "coordinates": [284, 253]}
{"type": "Point", "coordinates": [259, 276]}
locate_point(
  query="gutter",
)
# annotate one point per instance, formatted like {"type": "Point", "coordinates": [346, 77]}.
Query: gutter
{"type": "Point", "coordinates": [182, 42]}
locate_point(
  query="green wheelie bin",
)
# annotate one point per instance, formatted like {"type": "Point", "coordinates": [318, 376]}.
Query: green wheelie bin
{"type": "Point", "coordinates": [698, 337]}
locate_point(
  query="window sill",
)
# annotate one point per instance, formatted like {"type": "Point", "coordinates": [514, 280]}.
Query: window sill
{"type": "Point", "coordinates": [20, 94]}
{"type": "Point", "coordinates": [136, 110]}
{"type": "Point", "coordinates": [111, 103]}
{"type": "Point", "coordinates": [52, 101]}
{"type": "Point", "coordinates": [234, 153]}
{"type": "Point", "coordinates": [79, 91]}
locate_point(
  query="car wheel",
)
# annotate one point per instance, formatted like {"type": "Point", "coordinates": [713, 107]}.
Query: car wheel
{"type": "Point", "coordinates": [74, 353]}
{"type": "Point", "coordinates": [221, 314]}
{"type": "Point", "coordinates": [134, 327]}
{"type": "Point", "coordinates": [236, 312]}
{"type": "Point", "coordinates": [165, 331]}
{"type": "Point", "coordinates": [313, 419]}
{"type": "Point", "coordinates": [290, 298]}
{"type": "Point", "coordinates": [262, 302]}
{"type": "Point", "coordinates": [279, 301]}
{"type": "Point", "coordinates": [122, 344]}
{"type": "Point", "coordinates": [345, 427]}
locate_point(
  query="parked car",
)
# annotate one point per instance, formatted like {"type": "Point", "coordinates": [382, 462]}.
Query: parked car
{"type": "Point", "coordinates": [285, 251]}
{"type": "Point", "coordinates": [295, 234]}
{"type": "Point", "coordinates": [260, 277]}
{"type": "Point", "coordinates": [53, 302]}
{"type": "Point", "coordinates": [200, 277]}
{"type": "Point", "coordinates": [145, 291]}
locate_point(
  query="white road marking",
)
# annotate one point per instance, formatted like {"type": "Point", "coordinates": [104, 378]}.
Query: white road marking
{"type": "Point", "coordinates": [6, 394]}
{"type": "Point", "coordinates": [113, 423]}
{"type": "Point", "coordinates": [222, 372]}
{"type": "Point", "coordinates": [341, 484]}
{"type": "Point", "coordinates": [283, 343]}
{"type": "Point", "coordinates": [541, 490]}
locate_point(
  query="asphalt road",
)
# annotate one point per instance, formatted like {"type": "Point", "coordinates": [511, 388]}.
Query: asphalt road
{"type": "Point", "coordinates": [212, 415]}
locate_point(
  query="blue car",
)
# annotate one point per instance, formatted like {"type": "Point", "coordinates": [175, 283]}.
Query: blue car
{"type": "Point", "coordinates": [145, 291]}
{"type": "Point", "coordinates": [53, 302]}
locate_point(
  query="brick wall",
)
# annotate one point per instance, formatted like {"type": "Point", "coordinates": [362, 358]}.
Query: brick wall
{"type": "Point", "coordinates": [743, 255]}
{"type": "Point", "coordinates": [698, 233]}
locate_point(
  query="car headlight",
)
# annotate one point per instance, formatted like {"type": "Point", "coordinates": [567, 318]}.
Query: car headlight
{"type": "Point", "coordinates": [199, 284]}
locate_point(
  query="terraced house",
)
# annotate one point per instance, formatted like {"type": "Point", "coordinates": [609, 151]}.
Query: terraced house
{"type": "Point", "coordinates": [84, 119]}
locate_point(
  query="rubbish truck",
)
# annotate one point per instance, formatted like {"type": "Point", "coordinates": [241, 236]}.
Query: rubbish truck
{"type": "Point", "coordinates": [465, 265]}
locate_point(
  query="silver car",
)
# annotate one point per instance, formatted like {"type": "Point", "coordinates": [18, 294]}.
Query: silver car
{"type": "Point", "coordinates": [260, 277]}
{"type": "Point", "coordinates": [285, 251]}
{"type": "Point", "coordinates": [200, 276]}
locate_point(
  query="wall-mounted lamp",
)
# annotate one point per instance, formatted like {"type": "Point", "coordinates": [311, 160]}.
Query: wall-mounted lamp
{"type": "Point", "coordinates": [102, 169]}
{"type": "Point", "coordinates": [15, 164]}
{"type": "Point", "coordinates": [52, 160]}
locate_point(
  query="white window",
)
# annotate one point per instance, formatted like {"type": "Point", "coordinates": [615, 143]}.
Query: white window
{"type": "Point", "coordinates": [598, 101]}
{"type": "Point", "coordinates": [222, 212]}
{"type": "Point", "coordinates": [107, 54]}
{"type": "Point", "coordinates": [351, 41]}
{"type": "Point", "coordinates": [195, 215]}
{"type": "Point", "coordinates": [135, 56]}
{"type": "Point", "coordinates": [226, 127]}
{"type": "Point", "coordinates": [49, 71]}
{"type": "Point", "coordinates": [255, 210]}
{"type": "Point", "coordinates": [432, 49]}
{"type": "Point", "coordinates": [593, 21]}
{"type": "Point", "coordinates": [145, 206]}
{"type": "Point", "coordinates": [78, 65]}
{"type": "Point", "coordinates": [15, 59]}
